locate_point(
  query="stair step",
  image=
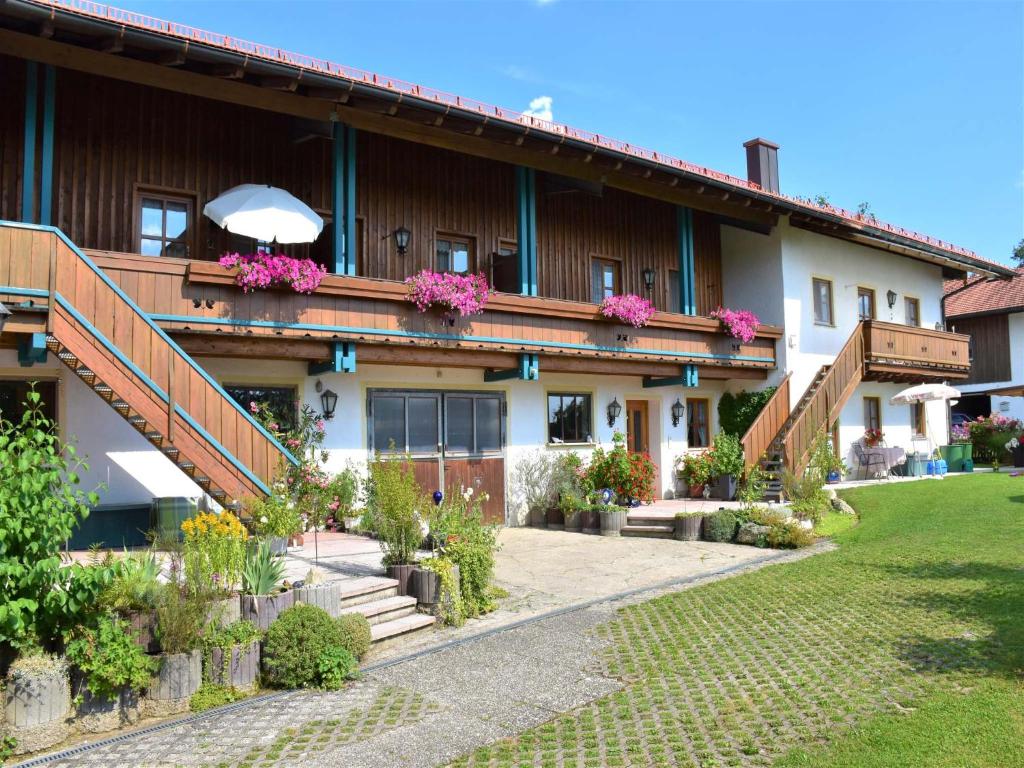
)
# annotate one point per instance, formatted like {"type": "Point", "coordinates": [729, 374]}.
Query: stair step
{"type": "Point", "coordinates": [155, 438]}
{"type": "Point", "coordinates": [171, 453]}
{"type": "Point", "coordinates": [650, 531]}
{"type": "Point", "coordinates": [402, 626]}
{"type": "Point", "coordinates": [103, 391]}
{"type": "Point", "coordinates": [649, 520]}
{"type": "Point", "coordinates": [86, 375]}
{"type": "Point", "coordinates": [53, 344]}
{"type": "Point", "coordinates": [203, 482]}
{"type": "Point", "coordinates": [367, 589]}
{"type": "Point", "coordinates": [120, 406]}
{"type": "Point", "coordinates": [383, 611]}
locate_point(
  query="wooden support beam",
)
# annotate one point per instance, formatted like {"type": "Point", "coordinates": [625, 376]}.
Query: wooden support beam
{"type": "Point", "coordinates": [343, 360]}
{"type": "Point", "coordinates": [31, 349]}
{"type": "Point", "coordinates": [114, 44]}
{"type": "Point", "coordinates": [527, 370]}
{"type": "Point", "coordinates": [46, 29]}
{"type": "Point", "coordinates": [689, 378]}
{"type": "Point", "coordinates": [336, 95]}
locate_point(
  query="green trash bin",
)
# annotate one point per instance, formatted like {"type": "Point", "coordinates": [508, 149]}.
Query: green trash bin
{"type": "Point", "coordinates": [954, 456]}
{"type": "Point", "coordinates": [170, 512]}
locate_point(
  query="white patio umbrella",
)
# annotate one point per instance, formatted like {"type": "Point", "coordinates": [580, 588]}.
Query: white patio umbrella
{"type": "Point", "coordinates": [925, 393]}
{"type": "Point", "coordinates": [265, 213]}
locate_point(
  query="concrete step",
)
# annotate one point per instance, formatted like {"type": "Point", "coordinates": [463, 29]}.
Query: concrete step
{"type": "Point", "coordinates": [411, 623]}
{"type": "Point", "coordinates": [383, 611]}
{"type": "Point", "coordinates": [650, 531]}
{"type": "Point", "coordinates": [650, 519]}
{"type": "Point", "coordinates": [367, 589]}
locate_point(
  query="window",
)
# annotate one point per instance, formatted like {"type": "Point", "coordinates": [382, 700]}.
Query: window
{"type": "Point", "coordinates": [569, 418]}
{"type": "Point", "coordinates": [674, 303]}
{"type": "Point", "coordinates": [283, 402]}
{"type": "Point", "coordinates": [13, 398]}
{"type": "Point", "coordinates": [605, 279]}
{"type": "Point", "coordinates": [823, 301]}
{"type": "Point", "coordinates": [455, 253]}
{"type": "Point", "coordinates": [698, 429]}
{"type": "Point", "coordinates": [505, 267]}
{"type": "Point", "coordinates": [866, 303]}
{"type": "Point", "coordinates": [405, 422]}
{"type": "Point", "coordinates": [165, 224]}
{"type": "Point", "coordinates": [472, 423]}
{"type": "Point", "coordinates": [917, 419]}
{"type": "Point", "coordinates": [912, 311]}
{"type": "Point", "coordinates": [872, 413]}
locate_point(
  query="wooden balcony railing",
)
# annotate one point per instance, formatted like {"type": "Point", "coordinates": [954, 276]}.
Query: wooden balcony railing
{"type": "Point", "coordinates": [202, 296]}
{"type": "Point", "coordinates": [766, 426]}
{"type": "Point", "coordinates": [900, 351]}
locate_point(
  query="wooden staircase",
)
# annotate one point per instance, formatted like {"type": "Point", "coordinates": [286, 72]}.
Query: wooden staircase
{"type": "Point", "coordinates": [99, 333]}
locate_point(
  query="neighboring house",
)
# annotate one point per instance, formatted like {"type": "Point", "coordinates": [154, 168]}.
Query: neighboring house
{"type": "Point", "coordinates": [118, 129]}
{"type": "Point", "coordinates": [991, 312]}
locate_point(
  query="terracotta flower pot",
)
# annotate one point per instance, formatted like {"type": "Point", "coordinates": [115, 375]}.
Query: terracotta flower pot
{"type": "Point", "coordinates": [696, 491]}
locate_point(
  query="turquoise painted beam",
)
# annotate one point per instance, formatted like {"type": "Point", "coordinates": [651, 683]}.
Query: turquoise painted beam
{"type": "Point", "coordinates": [343, 360]}
{"type": "Point", "coordinates": [343, 199]}
{"type": "Point", "coordinates": [526, 229]}
{"type": "Point", "coordinates": [31, 349]}
{"type": "Point", "coordinates": [688, 379]}
{"type": "Point", "coordinates": [46, 160]}
{"type": "Point", "coordinates": [28, 166]}
{"type": "Point", "coordinates": [527, 370]}
{"type": "Point", "coordinates": [687, 278]}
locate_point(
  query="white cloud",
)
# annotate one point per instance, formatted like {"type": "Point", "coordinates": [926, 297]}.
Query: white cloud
{"type": "Point", "coordinates": [540, 108]}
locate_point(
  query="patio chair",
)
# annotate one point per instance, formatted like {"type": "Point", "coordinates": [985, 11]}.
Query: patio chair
{"type": "Point", "coordinates": [865, 460]}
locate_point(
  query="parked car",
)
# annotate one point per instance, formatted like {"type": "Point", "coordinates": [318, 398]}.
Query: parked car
{"type": "Point", "coordinates": [956, 419]}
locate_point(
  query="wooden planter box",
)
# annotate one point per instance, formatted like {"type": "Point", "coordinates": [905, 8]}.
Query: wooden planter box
{"type": "Point", "coordinates": [96, 715]}
{"type": "Point", "coordinates": [590, 521]}
{"type": "Point", "coordinates": [425, 586]}
{"type": "Point", "coordinates": [539, 518]}
{"type": "Point", "coordinates": [325, 596]}
{"type": "Point", "coordinates": [36, 710]}
{"type": "Point", "coordinates": [688, 528]}
{"type": "Point", "coordinates": [262, 610]}
{"type": "Point", "coordinates": [555, 519]}
{"type": "Point", "coordinates": [142, 625]}
{"type": "Point", "coordinates": [221, 613]}
{"type": "Point", "coordinates": [402, 574]}
{"type": "Point", "coordinates": [612, 522]}
{"type": "Point", "coordinates": [574, 521]}
{"type": "Point", "coordinates": [240, 671]}
{"type": "Point", "coordinates": [179, 676]}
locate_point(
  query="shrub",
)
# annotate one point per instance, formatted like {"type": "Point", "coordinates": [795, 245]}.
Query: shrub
{"type": "Point", "coordinates": [273, 516]}
{"type": "Point", "coordinates": [989, 436]}
{"type": "Point", "coordinates": [304, 648]}
{"type": "Point", "coordinates": [470, 544]}
{"type": "Point", "coordinates": [180, 617]}
{"type": "Point", "coordinates": [451, 606]}
{"type": "Point", "coordinates": [720, 526]}
{"type": "Point", "coordinates": [394, 500]}
{"type": "Point", "coordinates": [209, 696]}
{"type": "Point", "coordinates": [109, 658]}
{"type": "Point", "coordinates": [726, 456]}
{"type": "Point", "coordinates": [695, 468]}
{"type": "Point", "coordinates": [805, 492]}
{"type": "Point", "coordinates": [262, 573]}
{"type": "Point", "coordinates": [213, 552]}
{"type": "Point", "coordinates": [736, 412]}
{"type": "Point", "coordinates": [135, 583]}
{"type": "Point", "coordinates": [41, 507]}
{"type": "Point", "coordinates": [355, 633]}
{"type": "Point", "coordinates": [630, 475]}
{"type": "Point", "coordinates": [784, 533]}
{"type": "Point", "coordinates": [532, 480]}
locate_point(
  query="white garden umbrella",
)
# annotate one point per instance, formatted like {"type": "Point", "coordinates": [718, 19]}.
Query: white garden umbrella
{"type": "Point", "coordinates": [265, 213]}
{"type": "Point", "coordinates": [925, 393]}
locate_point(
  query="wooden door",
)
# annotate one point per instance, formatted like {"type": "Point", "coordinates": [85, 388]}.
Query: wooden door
{"type": "Point", "coordinates": [638, 436]}
{"type": "Point", "coordinates": [473, 446]}
{"type": "Point", "coordinates": [409, 423]}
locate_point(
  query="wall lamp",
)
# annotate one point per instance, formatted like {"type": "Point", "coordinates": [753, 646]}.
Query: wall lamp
{"type": "Point", "coordinates": [614, 410]}
{"type": "Point", "coordinates": [890, 296]}
{"type": "Point", "coordinates": [677, 412]}
{"type": "Point", "coordinates": [649, 279]}
{"type": "Point", "coordinates": [329, 401]}
{"type": "Point", "coordinates": [401, 236]}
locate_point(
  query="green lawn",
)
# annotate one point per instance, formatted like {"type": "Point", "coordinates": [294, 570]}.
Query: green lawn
{"type": "Point", "coordinates": [905, 647]}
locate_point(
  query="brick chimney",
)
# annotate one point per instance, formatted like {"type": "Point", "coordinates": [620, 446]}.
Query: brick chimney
{"type": "Point", "coordinates": [763, 164]}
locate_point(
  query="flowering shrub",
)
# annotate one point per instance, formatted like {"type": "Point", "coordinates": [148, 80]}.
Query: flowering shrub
{"type": "Point", "coordinates": [462, 294]}
{"type": "Point", "coordinates": [694, 468]}
{"type": "Point", "coordinates": [629, 308]}
{"type": "Point", "coordinates": [990, 436]}
{"type": "Point", "coordinates": [213, 552]}
{"type": "Point", "coordinates": [741, 324]}
{"type": "Point", "coordinates": [630, 475]}
{"type": "Point", "coordinates": [268, 270]}
{"type": "Point", "coordinates": [960, 433]}
{"type": "Point", "coordinates": [873, 437]}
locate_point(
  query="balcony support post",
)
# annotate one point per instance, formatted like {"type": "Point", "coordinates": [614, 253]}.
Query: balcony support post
{"type": "Point", "coordinates": [526, 229]}
{"type": "Point", "coordinates": [31, 349]}
{"type": "Point", "coordinates": [527, 370]}
{"type": "Point", "coordinates": [688, 379]}
{"type": "Point", "coordinates": [343, 202]}
{"type": "Point", "coordinates": [343, 360]}
{"type": "Point", "coordinates": [687, 280]}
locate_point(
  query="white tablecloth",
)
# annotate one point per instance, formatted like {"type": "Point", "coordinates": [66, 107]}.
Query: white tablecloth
{"type": "Point", "coordinates": [891, 457]}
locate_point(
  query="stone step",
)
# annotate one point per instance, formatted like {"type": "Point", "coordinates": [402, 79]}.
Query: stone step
{"type": "Point", "coordinates": [650, 519]}
{"type": "Point", "coordinates": [650, 531]}
{"type": "Point", "coordinates": [402, 626]}
{"type": "Point", "coordinates": [367, 589]}
{"type": "Point", "coordinates": [383, 611]}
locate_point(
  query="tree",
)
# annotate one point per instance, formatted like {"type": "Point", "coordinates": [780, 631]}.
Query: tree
{"type": "Point", "coordinates": [1018, 253]}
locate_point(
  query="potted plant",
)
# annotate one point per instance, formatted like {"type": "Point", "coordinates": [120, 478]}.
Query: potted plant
{"type": "Point", "coordinates": [461, 295]}
{"type": "Point", "coordinates": [726, 465]}
{"type": "Point", "coordinates": [394, 501]}
{"type": "Point", "coordinates": [110, 670]}
{"type": "Point", "coordinates": [131, 595]}
{"type": "Point", "coordinates": [590, 519]}
{"type": "Point", "coordinates": [181, 615]}
{"type": "Point", "coordinates": [438, 589]}
{"type": "Point", "coordinates": [554, 518]}
{"type": "Point", "coordinates": [37, 701]}
{"type": "Point", "coordinates": [532, 482]}
{"type": "Point", "coordinates": [740, 324]}
{"type": "Point", "coordinates": [629, 475]}
{"type": "Point", "coordinates": [687, 526]}
{"type": "Point", "coordinates": [316, 590]}
{"type": "Point", "coordinates": [273, 270]}
{"type": "Point", "coordinates": [628, 308]}
{"type": "Point", "coordinates": [873, 437]}
{"type": "Point", "coordinates": [572, 510]}
{"type": "Point", "coordinates": [263, 597]}
{"type": "Point", "coordinates": [696, 472]}
{"type": "Point", "coordinates": [231, 656]}
{"type": "Point", "coordinates": [213, 553]}
{"type": "Point", "coordinates": [274, 518]}
{"type": "Point", "coordinates": [960, 435]}
{"type": "Point", "coordinates": [613, 519]}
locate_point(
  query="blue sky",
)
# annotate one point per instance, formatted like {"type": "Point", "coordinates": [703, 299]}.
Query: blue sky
{"type": "Point", "coordinates": [915, 108]}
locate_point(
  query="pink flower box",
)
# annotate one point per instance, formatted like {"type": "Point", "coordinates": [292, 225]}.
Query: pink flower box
{"type": "Point", "coordinates": [628, 308]}
{"type": "Point", "coordinates": [741, 324]}
{"type": "Point", "coordinates": [268, 270]}
{"type": "Point", "coordinates": [457, 294]}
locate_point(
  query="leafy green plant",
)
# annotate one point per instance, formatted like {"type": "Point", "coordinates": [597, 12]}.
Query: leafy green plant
{"type": "Point", "coordinates": [180, 618]}
{"type": "Point", "coordinates": [394, 501]}
{"type": "Point", "coordinates": [262, 573]}
{"type": "Point", "coordinates": [295, 645]}
{"type": "Point", "coordinates": [209, 696]}
{"type": "Point", "coordinates": [737, 411]}
{"type": "Point", "coordinates": [273, 516]}
{"type": "Point", "coordinates": [470, 544]}
{"type": "Point", "coordinates": [726, 455]}
{"type": "Point", "coordinates": [41, 504]}
{"type": "Point", "coordinates": [720, 526]}
{"type": "Point", "coordinates": [355, 633]}
{"type": "Point", "coordinates": [135, 583]}
{"type": "Point", "coordinates": [237, 634]}
{"type": "Point", "coordinates": [213, 552]}
{"type": "Point", "coordinates": [695, 468]}
{"type": "Point", "coordinates": [109, 658]}
{"type": "Point", "coordinates": [451, 607]}
{"type": "Point", "coordinates": [630, 475]}
{"type": "Point", "coordinates": [335, 666]}
{"type": "Point", "coordinates": [753, 486]}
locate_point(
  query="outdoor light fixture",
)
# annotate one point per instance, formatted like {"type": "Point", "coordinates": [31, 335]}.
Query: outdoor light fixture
{"type": "Point", "coordinates": [677, 412]}
{"type": "Point", "coordinates": [614, 409]}
{"type": "Point", "coordinates": [649, 279]}
{"type": "Point", "coordinates": [891, 297]}
{"type": "Point", "coordinates": [329, 401]}
{"type": "Point", "coordinates": [401, 236]}
{"type": "Point", "coordinates": [4, 314]}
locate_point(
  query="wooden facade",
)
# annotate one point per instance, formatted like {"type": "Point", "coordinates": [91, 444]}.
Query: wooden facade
{"type": "Point", "coordinates": [990, 347]}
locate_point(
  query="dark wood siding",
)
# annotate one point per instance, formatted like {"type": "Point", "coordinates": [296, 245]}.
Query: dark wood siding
{"type": "Point", "coordinates": [990, 345]}
{"type": "Point", "coordinates": [707, 258]}
{"type": "Point", "coordinates": [12, 124]}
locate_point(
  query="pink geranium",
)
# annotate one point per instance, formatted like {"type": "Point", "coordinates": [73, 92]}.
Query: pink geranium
{"type": "Point", "coordinates": [741, 324]}
{"type": "Point", "coordinates": [268, 270]}
{"type": "Point", "coordinates": [462, 294]}
{"type": "Point", "coordinates": [629, 308]}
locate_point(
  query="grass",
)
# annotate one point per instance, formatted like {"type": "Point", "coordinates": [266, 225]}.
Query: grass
{"type": "Point", "coordinates": [905, 647]}
{"type": "Point", "coordinates": [833, 523]}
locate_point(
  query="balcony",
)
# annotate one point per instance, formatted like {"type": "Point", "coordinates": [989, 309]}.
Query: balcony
{"type": "Point", "coordinates": [199, 303]}
{"type": "Point", "coordinates": [906, 354]}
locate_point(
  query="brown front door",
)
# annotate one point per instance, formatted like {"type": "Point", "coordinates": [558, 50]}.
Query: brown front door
{"type": "Point", "coordinates": [638, 436]}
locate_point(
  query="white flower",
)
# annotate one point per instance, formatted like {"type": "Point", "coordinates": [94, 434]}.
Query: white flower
{"type": "Point", "coordinates": [264, 520]}
{"type": "Point", "coordinates": [1012, 444]}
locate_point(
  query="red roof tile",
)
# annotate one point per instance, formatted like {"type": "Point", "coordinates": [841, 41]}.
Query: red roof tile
{"type": "Point", "coordinates": [324, 67]}
{"type": "Point", "coordinates": [981, 295]}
